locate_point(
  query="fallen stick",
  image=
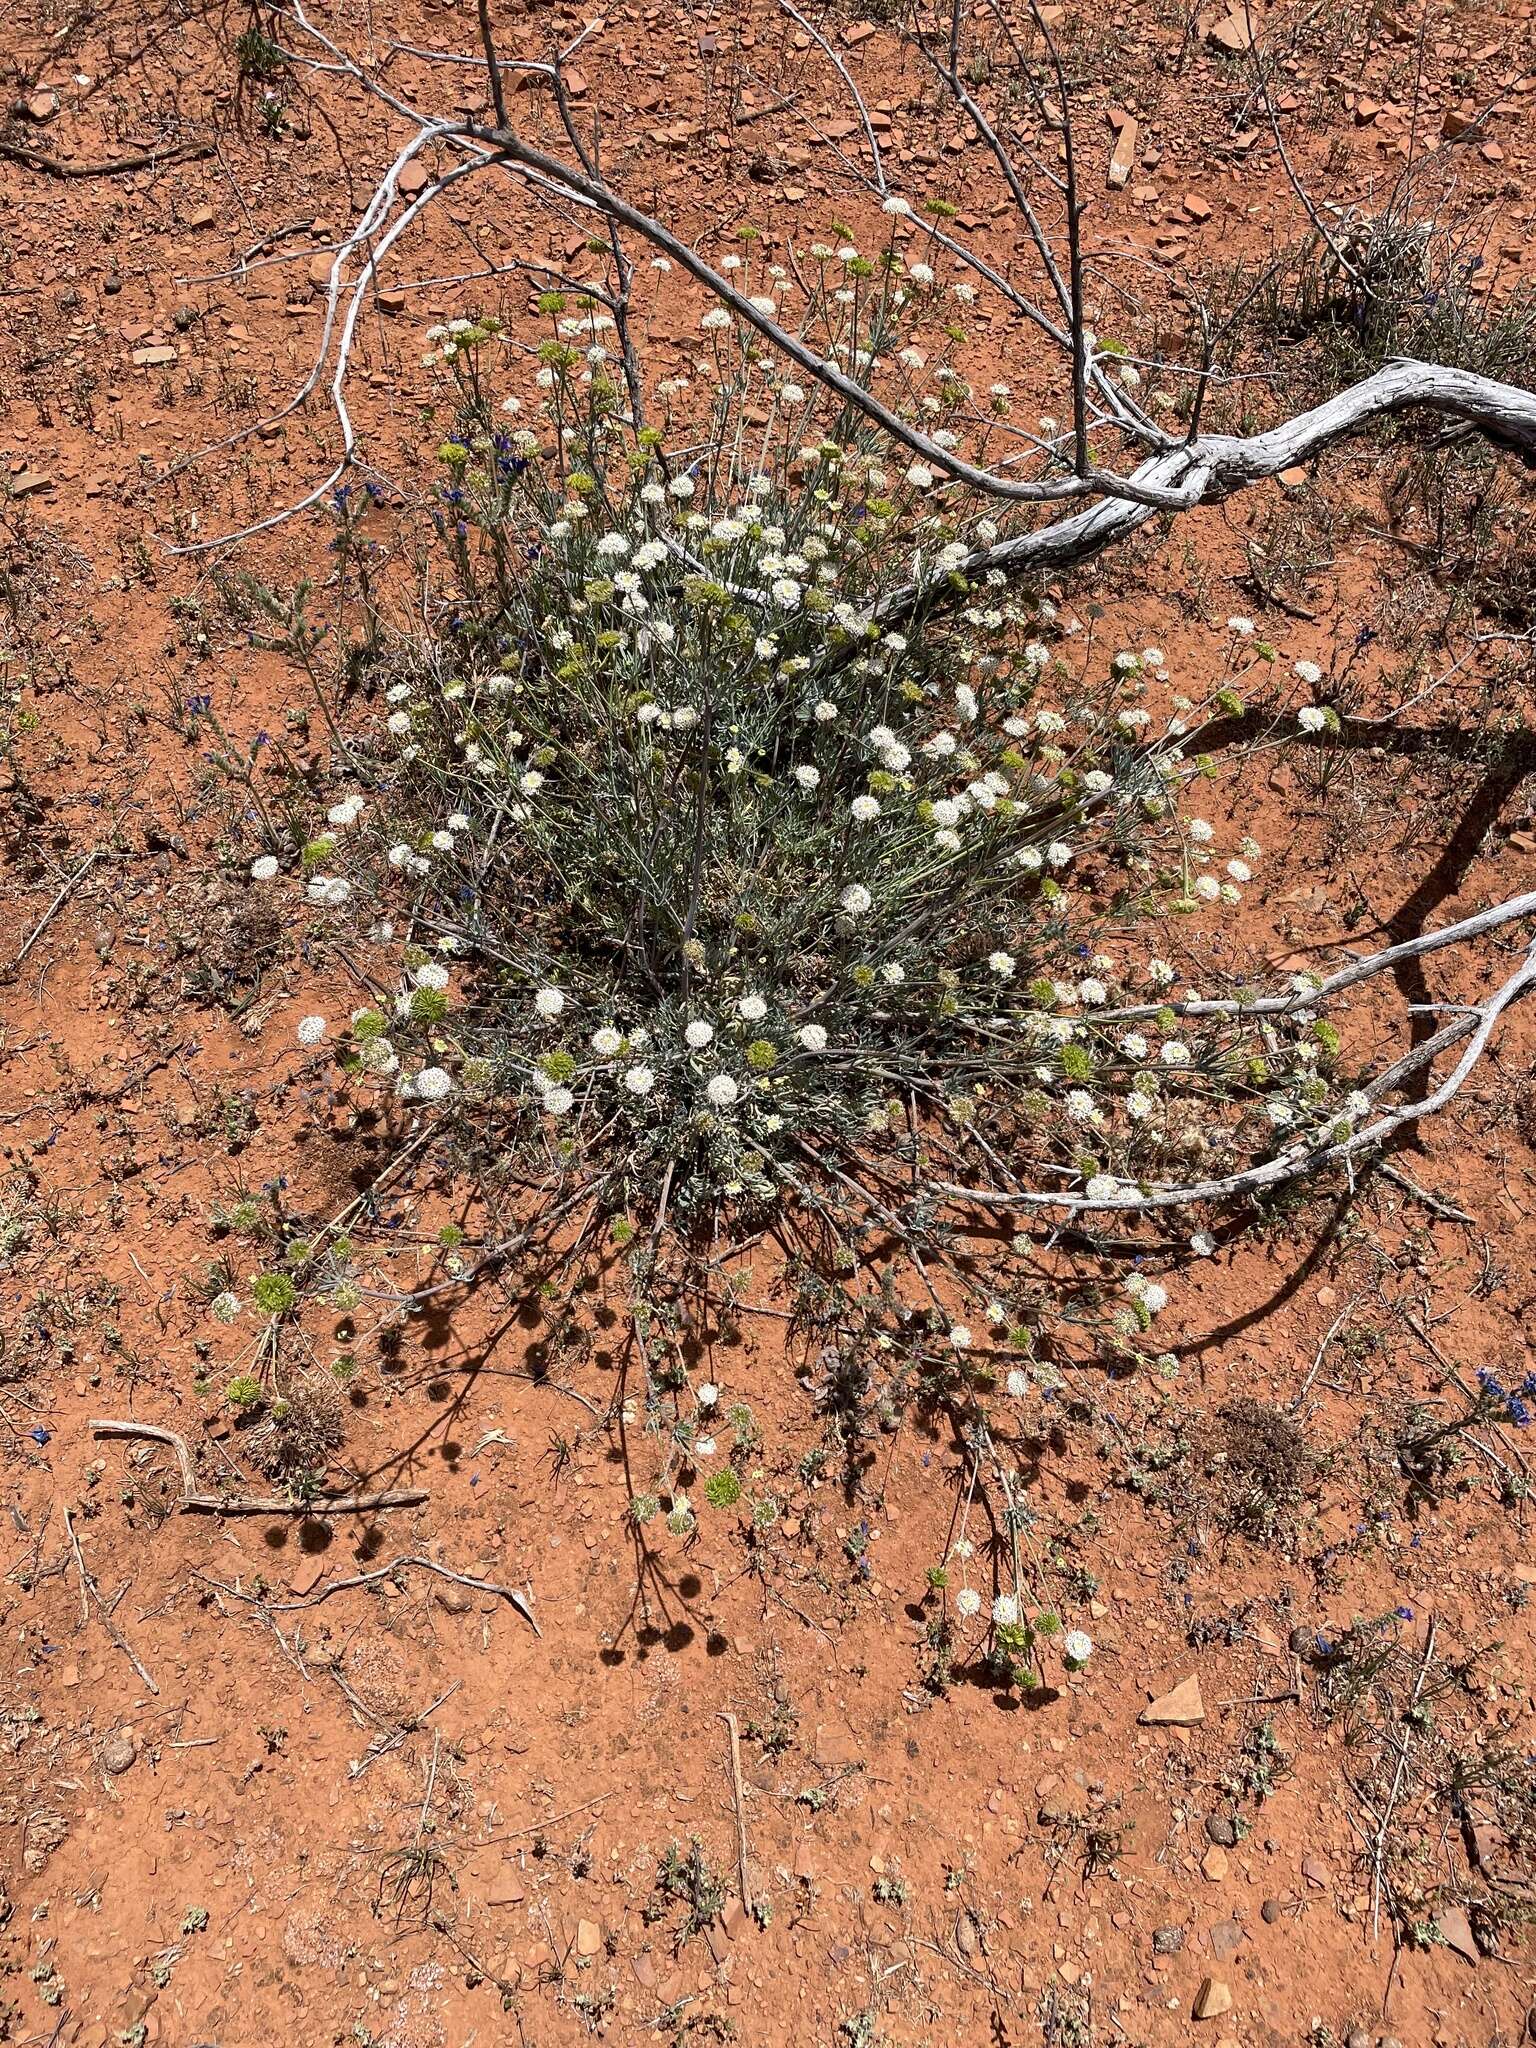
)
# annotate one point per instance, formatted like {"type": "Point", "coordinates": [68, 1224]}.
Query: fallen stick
{"type": "Point", "coordinates": [253, 1503]}
{"type": "Point", "coordinates": [85, 1577]}
{"type": "Point", "coordinates": [387, 1571]}
{"type": "Point", "coordinates": [1379, 1848]}
{"type": "Point", "coordinates": [1433, 1203]}
{"type": "Point", "coordinates": [538, 1827]}
{"type": "Point", "coordinates": [738, 1795]}
{"type": "Point", "coordinates": [56, 905]}
{"type": "Point", "coordinates": [116, 167]}
{"type": "Point", "coordinates": [90, 1591]}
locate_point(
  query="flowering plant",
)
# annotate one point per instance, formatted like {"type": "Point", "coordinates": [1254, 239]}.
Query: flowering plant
{"type": "Point", "coordinates": [717, 887]}
{"type": "Point", "coordinates": [747, 852]}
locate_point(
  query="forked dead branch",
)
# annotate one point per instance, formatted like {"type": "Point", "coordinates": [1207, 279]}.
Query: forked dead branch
{"type": "Point", "coordinates": [1118, 465]}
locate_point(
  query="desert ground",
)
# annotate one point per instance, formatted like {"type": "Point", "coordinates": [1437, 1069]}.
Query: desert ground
{"type": "Point", "coordinates": [492, 1757]}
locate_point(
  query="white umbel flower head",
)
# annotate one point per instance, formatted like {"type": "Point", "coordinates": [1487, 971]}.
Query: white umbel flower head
{"type": "Point", "coordinates": [967, 1602]}
{"type": "Point", "coordinates": [549, 1002]}
{"type": "Point", "coordinates": [722, 1091]}
{"type": "Point", "coordinates": [813, 1037]}
{"type": "Point", "coordinates": [699, 1034]}
{"type": "Point", "coordinates": [433, 1084]}
{"type": "Point", "coordinates": [1077, 1646]}
{"type": "Point", "coordinates": [640, 1080]}
{"type": "Point", "coordinates": [311, 1030]}
{"type": "Point", "coordinates": [264, 868]}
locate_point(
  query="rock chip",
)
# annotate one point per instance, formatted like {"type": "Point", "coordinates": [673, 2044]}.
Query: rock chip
{"type": "Point", "coordinates": [1456, 1932]}
{"type": "Point", "coordinates": [1226, 1940]}
{"type": "Point", "coordinates": [1212, 1999]}
{"type": "Point", "coordinates": [506, 1887]}
{"type": "Point", "coordinates": [1123, 156]}
{"type": "Point", "coordinates": [1235, 32]}
{"type": "Point", "coordinates": [1181, 1708]}
{"type": "Point", "coordinates": [119, 1752]}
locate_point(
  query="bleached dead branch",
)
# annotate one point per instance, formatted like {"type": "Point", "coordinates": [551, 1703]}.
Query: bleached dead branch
{"type": "Point", "coordinates": [1477, 1021]}
{"type": "Point", "coordinates": [1175, 477]}
{"type": "Point", "coordinates": [1173, 474]}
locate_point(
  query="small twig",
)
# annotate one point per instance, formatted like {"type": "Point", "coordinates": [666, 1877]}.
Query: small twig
{"type": "Point", "coordinates": [1317, 1364]}
{"type": "Point", "coordinates": [1433, 1203]}
{"type": "Point", "coordinates": [89, 1590]}
{"type": "Point", "coordinates": [1379, 1851]}
{"type": "Point", "coordinates": [387, 1571]}
{"type": "Point", "coordinates": [738, 1795]}
{"type": "Point", "coordinates": [118, 167]}
{"type": "Point", "coordinates": [57, 904]}
{"type": "Point", "coordinates": [251, 1503]}
{"type": "Point", "coordinates": [554, 1820]}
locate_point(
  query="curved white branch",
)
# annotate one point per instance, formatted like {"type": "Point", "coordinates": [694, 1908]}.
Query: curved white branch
{"type": "Point", "coordinates": [1208, 468]}
{"type": "Point", "coordinates": [355, 293]}
{"type": "Point", "coordinates": [1334, 984]}
{"type": "Point", "coordinates": [1296, 1160]}
{"type": "Point", "coordinates": [1217, 465]}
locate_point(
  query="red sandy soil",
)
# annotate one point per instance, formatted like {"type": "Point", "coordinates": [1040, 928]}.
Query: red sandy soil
{"type": "Point", "coordinates": [275, 1841]}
